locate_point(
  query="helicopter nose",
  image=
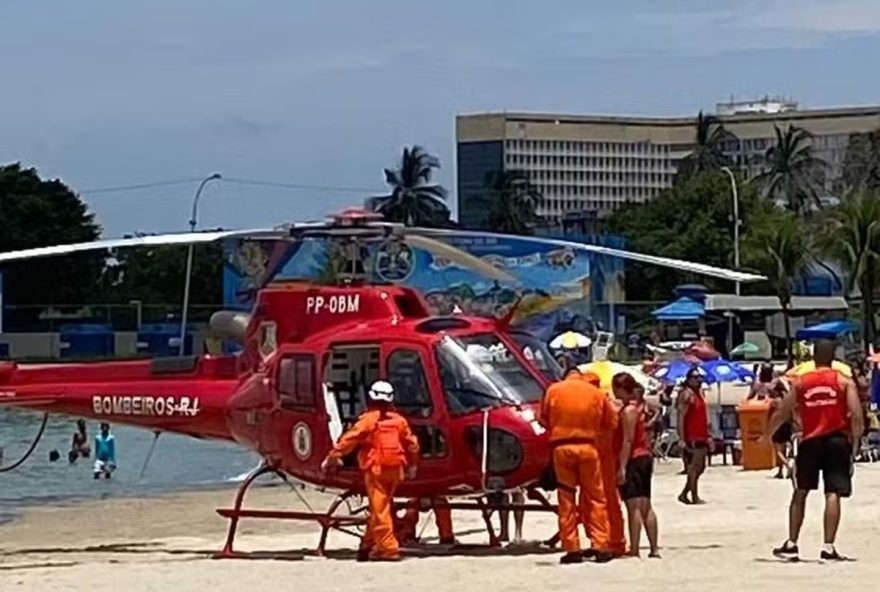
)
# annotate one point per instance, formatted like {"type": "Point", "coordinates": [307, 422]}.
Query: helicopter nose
{"type": "Point", "coordinates": [518, 448]}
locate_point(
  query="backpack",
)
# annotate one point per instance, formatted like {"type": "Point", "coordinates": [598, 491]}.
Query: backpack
{"type": "Point", "coordinates": [386, 450]}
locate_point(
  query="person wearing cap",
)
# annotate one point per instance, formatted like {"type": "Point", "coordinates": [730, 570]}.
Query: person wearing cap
{"type": "Point", "coordinates": [388, 453]}
{"type": "Point", "coordinates": [576, 414]}
{"type": "Point", "coordinates": [693, 433]}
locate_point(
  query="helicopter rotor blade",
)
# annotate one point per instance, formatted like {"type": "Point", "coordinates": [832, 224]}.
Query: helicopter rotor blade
{"type": "Point", "coordinates": [183, 238]}
{"type": "Point", "coordinates": [698, 268]}
{"type": "Point", "coordinates": [457, 256]}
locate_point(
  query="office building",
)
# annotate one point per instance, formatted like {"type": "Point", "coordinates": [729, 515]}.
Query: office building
{"type": "Point", "coordinates": [592, 163]}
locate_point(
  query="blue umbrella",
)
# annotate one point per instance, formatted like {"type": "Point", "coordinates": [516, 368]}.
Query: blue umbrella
{"type": "Point", "coordinates": [712, 371]}
{"type": "Point", "coordinates": [726, 371]}
{"type": "Point", "coordinates": [675, 371]}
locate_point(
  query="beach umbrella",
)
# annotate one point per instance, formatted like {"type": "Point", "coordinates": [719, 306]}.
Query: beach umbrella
{"type": "Point", "coordinates": [570, 340]}
{"type": "Point", "coordinates": [802, 369]}
{"type": "Point", "coordinates": [674, 372]}
{"type": "Point", "coordinates": [747, 350]}
{"type": "Point", "coordinates": [606, 370]}
{"type": "Point", "coordinates": [726, 371]}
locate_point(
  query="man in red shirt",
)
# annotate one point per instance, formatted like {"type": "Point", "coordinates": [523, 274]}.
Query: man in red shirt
{"type": "Point", "coordinates": [828, 406]}
{"type": "Point", "coordinates": [693, 433]}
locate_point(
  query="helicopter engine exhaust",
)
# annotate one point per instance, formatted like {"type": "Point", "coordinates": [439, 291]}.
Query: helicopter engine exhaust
{"type": "Point", "coordinates": [230, 325]}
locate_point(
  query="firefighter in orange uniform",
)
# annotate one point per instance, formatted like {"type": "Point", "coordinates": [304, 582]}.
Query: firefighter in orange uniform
{"type": "Point", "coordinates": [406, 526]}
{"type": "Point", "coordinates": [609, 452]}
{"type": "Point", "coordinates": [388, 452]}
{"type": "Point", "coordinates": [577, 414]}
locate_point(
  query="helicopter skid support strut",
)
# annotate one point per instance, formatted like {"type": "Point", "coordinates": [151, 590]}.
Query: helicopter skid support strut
{"type": "Point", "coordinates": [486, 508]}
{"type": "Point", "coordinates": [328, 520]}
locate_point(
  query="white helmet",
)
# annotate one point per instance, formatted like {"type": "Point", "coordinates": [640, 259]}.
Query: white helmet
{"type": "Point", "coordinates": [381, 391]}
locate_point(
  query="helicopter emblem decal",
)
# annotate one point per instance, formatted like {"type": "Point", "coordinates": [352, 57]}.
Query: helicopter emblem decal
{"type": "Point", "coordinates": [395, 261]}
{"type": "Point", "coordinates": [302, 441]}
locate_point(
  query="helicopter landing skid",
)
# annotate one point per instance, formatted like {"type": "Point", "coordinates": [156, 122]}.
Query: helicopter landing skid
{"type": "Point", "coordinates": [486, 506]}
{"type": "Point", "coordinates": [328, 520]}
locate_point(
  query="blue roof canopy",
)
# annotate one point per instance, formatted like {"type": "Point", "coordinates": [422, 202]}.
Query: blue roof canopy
{"type": "Point", "coordinates": [683, 309]}
{"type": "Point", "coordinates": [828, 330]}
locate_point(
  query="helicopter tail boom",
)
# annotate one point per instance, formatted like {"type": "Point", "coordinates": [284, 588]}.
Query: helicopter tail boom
{"type": "Point", "coordinates": [136, 393]}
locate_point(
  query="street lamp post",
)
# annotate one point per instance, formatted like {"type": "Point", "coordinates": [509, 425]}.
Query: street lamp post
{"type": "Point", "coordinates": [189, 260]}
{"type": "Point", "coordinates": [730, 314]}
{"type": "Point", "coordinates": [735, 221]}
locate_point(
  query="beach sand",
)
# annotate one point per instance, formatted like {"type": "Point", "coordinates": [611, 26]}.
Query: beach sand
{"type": "Point", "coordinates": [164, 544]}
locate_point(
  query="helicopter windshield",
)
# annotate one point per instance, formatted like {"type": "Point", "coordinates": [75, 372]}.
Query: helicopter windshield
{"type": "Point", "coordinates": [479, 371]}
{"type": "Point", "coordinates": [536, 352]}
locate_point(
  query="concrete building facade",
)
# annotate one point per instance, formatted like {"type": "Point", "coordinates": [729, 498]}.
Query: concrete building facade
{"type": "Point", "coordinates": [598, 163]}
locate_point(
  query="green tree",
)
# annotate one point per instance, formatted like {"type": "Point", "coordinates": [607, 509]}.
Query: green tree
{"type": "Point", "coordinates": [414, 199]}
{"type": "Point", "coordinates": [793, 172]}
{"type": "Point", "coordinates": [861, 164]}
{"type": "Point", "coordinates": [852, 237]}
{"type": "Point", "coordinates": [779, 249]}
{"type": "Point", "coordinates": [693, 221]}
{"type": "Point", "coordinates": [708, 151]}
{"type": "Point", "coordinates": [37, 213]}
{"type": "Point", "coordinates": [512, 202]}
{"type": "Point", "coordinates": [155, 275]}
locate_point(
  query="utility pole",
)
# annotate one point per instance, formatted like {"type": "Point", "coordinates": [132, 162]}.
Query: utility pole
{"type": "Point", "coordinates": [189, 260]}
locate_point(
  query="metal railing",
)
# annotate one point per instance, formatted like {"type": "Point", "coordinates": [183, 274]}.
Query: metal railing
{"type": "Point", "coordinates": [121, 317]}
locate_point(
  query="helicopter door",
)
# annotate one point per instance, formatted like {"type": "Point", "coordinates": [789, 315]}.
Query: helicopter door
{"type": "Point", "coordinates": [404, 366]}
{"type": "Point", "coordinates": [348, 373]}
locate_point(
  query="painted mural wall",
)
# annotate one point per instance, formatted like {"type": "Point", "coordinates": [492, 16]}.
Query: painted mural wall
{"type": "Point", "coordinates": [555, 283]}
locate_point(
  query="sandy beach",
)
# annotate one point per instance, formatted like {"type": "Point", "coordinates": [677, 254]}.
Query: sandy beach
{"type": "Point", "coordinates": [140, 545]}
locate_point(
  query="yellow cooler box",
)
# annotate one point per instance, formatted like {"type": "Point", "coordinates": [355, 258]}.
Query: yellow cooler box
{"type": "Point", "coordinates": [753, 419]}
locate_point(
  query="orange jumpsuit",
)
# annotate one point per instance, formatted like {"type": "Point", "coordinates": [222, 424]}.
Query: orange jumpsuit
{"type": "Point", "coordinates": [609, 453]}
{"type": "Point", "coordinates": [381, 473]}
{"type": "Point", "coordinates": [442, 517]}
{"type": "Point", "coordinates": [609, 460]}
{"type": "Point", "coordinates": [576, 413]}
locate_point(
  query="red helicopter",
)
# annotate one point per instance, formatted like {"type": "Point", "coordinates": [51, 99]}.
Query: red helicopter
{"type": "Point", "coordinates": [469, 386]}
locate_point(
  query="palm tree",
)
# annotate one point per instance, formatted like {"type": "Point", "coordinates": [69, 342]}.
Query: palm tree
{"type": "Point", "coordinates": [779, 249]}
{"type": "Point", "coordinates": [708, 153]}
{"type": "Point", "coordinates": [792, 170]}
{"type": "Point", "coordinates": [414, 199]}
{"type": "Point", "coordinates": [852, 236]}
{"type": "Point", "coordinates": [861, 165]}
{"type": "Point", "coordinates": [513, 200]}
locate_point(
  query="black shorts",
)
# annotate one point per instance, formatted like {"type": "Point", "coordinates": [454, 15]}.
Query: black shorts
{"type": "Point", "coordinates": [783, 434]}
{"type": "Point", "coordinates": [829, 455]}
{"type": "Point", "coordinates": [639, 472]}
{"type": "Point", "coordinates": [687, 453]}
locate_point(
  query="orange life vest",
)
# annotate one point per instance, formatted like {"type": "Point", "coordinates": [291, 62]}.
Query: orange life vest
{"type": "Point", "coordinates": [386, 447]}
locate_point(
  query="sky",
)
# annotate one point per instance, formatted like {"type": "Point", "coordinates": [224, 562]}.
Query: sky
{"type": "Point", "coordinates": [104, 94]}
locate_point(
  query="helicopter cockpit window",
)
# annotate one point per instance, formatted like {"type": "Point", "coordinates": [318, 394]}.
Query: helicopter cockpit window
{"type": "Point", "coordinates": [535, 351]}
{"type": "Point", "coordinates": [296, 381]}
{"type": "Point", "coordinates": [478, 371]}
{"type": "Point", "coordinates": [407, 373]}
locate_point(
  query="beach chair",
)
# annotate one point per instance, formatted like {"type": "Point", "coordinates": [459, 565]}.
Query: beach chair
{"type": "Point", "coordinates": [728, 430]}
{"type": "Point", "coordinates": [663, 444]}
{"type": "Point", "coordinates": [667, 438]}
